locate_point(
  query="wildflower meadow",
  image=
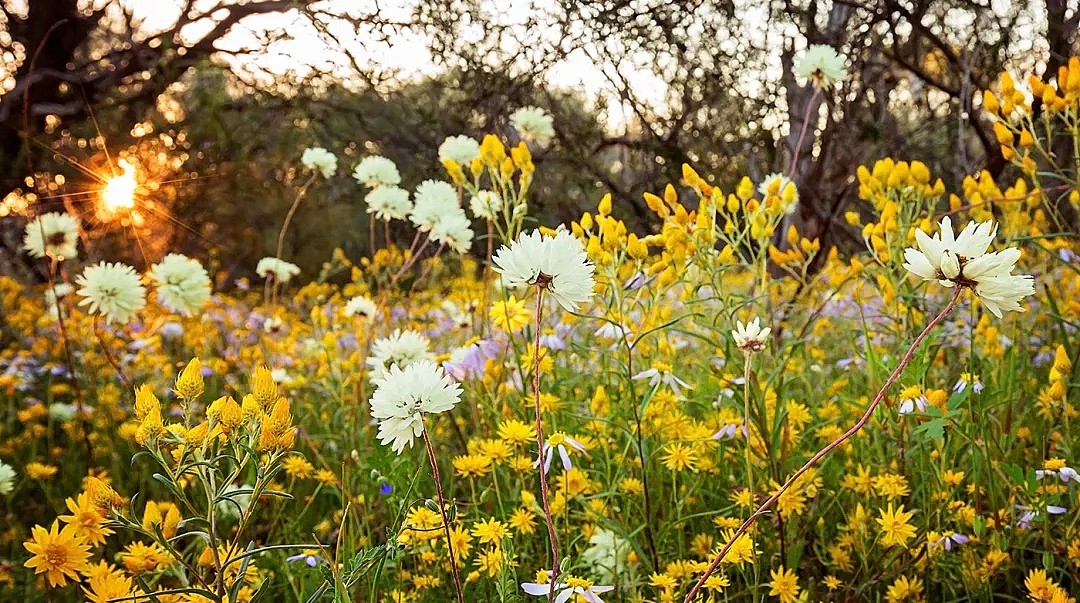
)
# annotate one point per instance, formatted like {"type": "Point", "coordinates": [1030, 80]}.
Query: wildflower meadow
{"type": "Point", "coordinates": [487, 407]}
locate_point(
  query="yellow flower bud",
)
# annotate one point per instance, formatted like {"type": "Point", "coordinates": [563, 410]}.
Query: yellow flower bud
{"type": "Point", "coordinates": [189, 384]}
{"type": "Point", "coordinates": [604, 208]}
{"type": "Point", "coordinates": [145, 401]}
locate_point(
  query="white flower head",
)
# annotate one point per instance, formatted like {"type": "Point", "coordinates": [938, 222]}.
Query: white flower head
{"type": "Point", "coordinates": [404, 395]}
{"type": "Point", "coordinates": [375, 171]}
{"type": "Point", "coordinates": [557, 263]}
{"type": "Point", "coordinates": [402, 348]}
{"type": "Point", "coordinates": [486, 205]}
{"type": "Point", "coordinates": [388, 203]}
{"type": "Point", "coordinates": [7, 478]}
{"type": "Point", "coordinates": [112, 289]}
{"type": "Point", "coordinates": [607, 555]}
{"type": "Point", "coordinates": [822, 66]}
{"type": "Point", "coordinates": [962, 261]}
{"type": "Point", "coordinates": [459, 149]}
{"type": "Point", "coordinates": [454, 230]}
{"type": "Point", "coordinates": [781, 187]}
{"type": "Point", "coordinates": [320, 160]}
{"type": "Point", "coordinates": [434, 199]}
{"type": "Point", "coordinates": [53, 294]}
{"type": "Point", "coordinates": [566, 588]}
{"type": "Point", "coordinates": [750, 337]}
{"type": "Point", "coordinates": [533, 123]}
{"type": "Point", "coordinates": [281, 270]}
{"type": "Point", "coordinates": [54, 234]}
{"type": "Point", "coordinates": [360, 306]}
{"type": "Point", "coordinates": [183, 285]}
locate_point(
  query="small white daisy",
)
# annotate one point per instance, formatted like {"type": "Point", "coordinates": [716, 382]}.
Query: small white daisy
{"type": "Point", "coordinates": [321, 160]}
{"type": "Point", "coordinates": [962, 261]}
{"type": "Point", "coordinates": [454, 230]}
{"type": "Point", "coordinates": [750, 337]}
{"type": "Point", "coordinates": [404, 395]}
{"type": "Point", "coordinates": [54, 234]}
{"type": "Point", "coordinates": [360, 306]}
{"type": "Point", "coordinates": [485, 205]}
{"type": "Point", "coordinates": [281, 270]}
{"type": "Point", "coordinates": [533, 123]}
{"type": "Point", "coordinates": [112, 289]}
{"type": "Point", "coordinates": [375, 171]}
{"type": "Point", "coordinates": [402, 348]}
{"type": "Point", "coordinates": [822, 66]}
{"type": "Point", "coordinates": [434, 199]}
{"type": "Point", "coordinates": [7, 478]}
{"type": "Point", "coordinates": [557, 263]}
{"type": "Point", "coordinates": [459, 149]}
{"type": "Point", "coordinates": [183, 285]}
{"type": "Point", "coordinates": [388, 203]}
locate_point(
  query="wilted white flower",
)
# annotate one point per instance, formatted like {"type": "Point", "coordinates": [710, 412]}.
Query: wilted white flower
{"type": "Point", "coordinates": [389, 203]}
{"type": "Point", "coordinates": [607, 555]}
{"type": "Point", "coordinates": [660, 374]}
{"type": "Point", "coordinates": [283, 271]}
{"type": "Point", "coordinates": [404, 395]}
{"type": "Point", "coordinates": [376, 170]}
{"type": "Point", "coordinates": [52, 296]}
{"type": "Point", "coordinates": [62, 413]}
{"type": "Point", "coordinates": [454, 230]}
{"type": "Point", "coordinates": [459, 149]}
{"type": "Point", "coordinates": [113, 289]}
{"type": "Point", "coordinates": [821, 65]}
{"type": "Point", "coordinates": [533, 123]}
{"type": "Point", "coordinates": [235, 501]}
{"type": "Point", "coordinates": [360, 305]}
{"type": "Point", "coordinates": [781, 187]}
{"type": "Point", "coordinates": [557, 263]}
{"type": "Point", "coordinates": [7, 478]}
{"type": "Point", "coordinates": [54, 234]}
{"type": "Point", "coordinates": [318, 158]}
{"type": "Point", "coordinates": [911, 400]}
{"type": "Point", "coordinates": [434, 200]}
{"type": "Point", "coordinates": [1065, 474]}
{"type": "Point", "coordinates": [183, 286]}
{"type": "Point", "coordinates": [962, 261]}
{"type": "Point", "coordinates": [402, 348]}
{"type": "Point", "coordinates": [751, 338]}
{"type": "Point", "coordinates": [485, 205]}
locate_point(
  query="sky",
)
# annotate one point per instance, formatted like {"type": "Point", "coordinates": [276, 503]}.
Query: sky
{"type": "Point", "coordinates": [406, 53]}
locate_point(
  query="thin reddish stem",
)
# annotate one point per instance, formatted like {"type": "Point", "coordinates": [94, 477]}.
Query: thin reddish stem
{"type": "Point", "coordinates": [442, 511]}
{"type": "Point", "coordinates": [553, 538]}
{"type": "Point", "coordinates": [828, 448]}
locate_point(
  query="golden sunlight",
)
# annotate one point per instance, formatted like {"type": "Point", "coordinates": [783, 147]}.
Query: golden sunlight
{"type": "Point", "coordinates": [119, 190]}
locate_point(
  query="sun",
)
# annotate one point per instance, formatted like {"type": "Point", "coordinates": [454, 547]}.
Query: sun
{"type": "Point", "coordinates": [119, 193]}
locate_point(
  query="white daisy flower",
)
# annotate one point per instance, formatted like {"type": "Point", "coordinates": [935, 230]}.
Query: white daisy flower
{"type": "Point", "coordinates": [281, 270]}
{"type": "Point", "coordinates": [7, 478]}
{"type": "Point", "coordinates": [556, 263]}
{"type": "Point", "coordinates": [402, 348]}
{"type": "Point", "coordinates": [572, 586]}
{"type": "Point", "coordinates": [321, 160]}
{"type": "Point", "coordinates": [558, 442]}
{"type": "Point", "coordinates": [54, 234]}
{"type": "Point", "coordinates": [112, 289]}
{"type": "Point", "coordinates": [375, 171]}
{"type": "Point", "coordinates": [434, 199]}
{"type": "Point", "coordinates": [822, 66]}
{"type": "Point", "coordinates": [533, 123]}
{"type": "Point", "coordinates": [388, 203]}
{"type": "Point", "coordinates": [183, 286]}
{"type": "Point", "coordinates": [403, 396]}
{"type": "Point", "coordinates": [360, 306]}
{"type": "Point", "coordinates": [962, 261]}
{"type": "Point", "coordinates": [485, 205]}
{"type": "Point", "coordinates": [459, 149]}
{"type": "Point", "coordinates": [455, 230]}
{"type": "Point", "coordinates": [750, 337]}
{"type": "Point", "coordinates": [62, 413]}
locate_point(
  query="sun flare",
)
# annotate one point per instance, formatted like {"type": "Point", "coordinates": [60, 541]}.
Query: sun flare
{"type": "Point", "coordinates": [119, 193]}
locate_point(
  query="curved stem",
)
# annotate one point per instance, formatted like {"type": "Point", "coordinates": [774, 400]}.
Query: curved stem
{"type": "Point", "coordinates": [553, 538]}
{"type": "Point", "coordinates": [828, 447]}
{"type": "Point", "coordinates": [442, 511]}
